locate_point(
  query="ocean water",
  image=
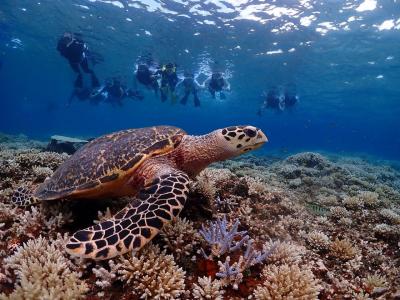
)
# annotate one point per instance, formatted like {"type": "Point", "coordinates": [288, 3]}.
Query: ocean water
{"type": "Point", "coordinates": [342, 56]}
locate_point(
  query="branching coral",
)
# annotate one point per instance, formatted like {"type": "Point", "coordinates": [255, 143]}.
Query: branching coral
{"type": "Point", "coordinates": [375, 281]}
{"type": "Point", "coordinates": [152, 274]}
{"type": "Point", "coordinates": [390, 215]}
{"type": "Point", "coordinates": [43, 272]}
{"type": "Point", "coordinates": [354, 202]}
{"type": "Point", "coordinates": [318, 240]}
{"type": "Point", "coordinates": [370, 199]}
{"type": "Point", "coordinates": [233, 273]}
{"type": "Point", "coordinates": [105, 277]}
{"type": "Point", "coordinates": [222, 239]}
{"type": "Point", "coordinates": [284, 252]}
{"type": "Point", "coordinates": [205, 288]}
{"type": "Point", "coordinates": [180, 238]}
{"type": "Point", "coordinates": [256, 186]}
{"type": "Point", "coordinates": [287, 282]}
{"type": "Point", "coordinates": [338, 212]}
{"type": "Point", "coordinates": [343, 249]}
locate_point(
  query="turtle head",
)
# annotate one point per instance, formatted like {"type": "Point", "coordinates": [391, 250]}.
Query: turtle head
{"type": "Point", "coordinates": [236, 140]}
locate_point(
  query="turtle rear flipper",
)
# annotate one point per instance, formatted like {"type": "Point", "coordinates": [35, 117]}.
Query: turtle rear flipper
{"type": "Point", "coordinates": [135, 225]}
{"type": "Point", "coordinates": [23, 196]}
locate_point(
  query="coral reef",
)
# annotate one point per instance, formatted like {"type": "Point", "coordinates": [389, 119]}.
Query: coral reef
{"type": "Point", "coordinates": [306, 227]}
{"type": "Point", "coordinates": [152, 274]}
{"type": "Point", "coordinates": [206, 288]}
{"type": "Point", "coordinates": [287, 282]}
{"type": "Point", "coordinates": [43, 271]}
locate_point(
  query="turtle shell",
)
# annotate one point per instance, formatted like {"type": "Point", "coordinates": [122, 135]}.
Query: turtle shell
{"type": "Point", "coordinates": [107, 159]}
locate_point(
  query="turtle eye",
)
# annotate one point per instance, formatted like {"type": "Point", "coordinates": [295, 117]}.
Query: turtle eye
{"type": "Point", "coordinates": [250, 132]}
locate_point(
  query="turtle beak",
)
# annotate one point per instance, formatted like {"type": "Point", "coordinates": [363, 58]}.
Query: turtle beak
{"type": "Point", "coordinates": [261, 139]}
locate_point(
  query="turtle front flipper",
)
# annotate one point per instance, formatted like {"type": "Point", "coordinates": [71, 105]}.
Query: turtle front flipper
{"type": "Point", "coordinates": [23, 197]}
{"type": "Point", "coordinates": [135, 225]}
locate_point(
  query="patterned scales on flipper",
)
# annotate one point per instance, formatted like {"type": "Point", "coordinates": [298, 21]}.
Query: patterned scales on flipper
{"type": "Point", "coordinates": [136, 224]}
{"type": "Point", "coordinates": [23, 196]}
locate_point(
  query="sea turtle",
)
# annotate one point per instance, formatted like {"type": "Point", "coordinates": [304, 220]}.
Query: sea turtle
{"type": "Point", "coordinates": [153, 164]}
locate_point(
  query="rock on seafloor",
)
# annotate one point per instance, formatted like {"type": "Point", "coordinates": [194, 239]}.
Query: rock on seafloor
{"type": "Point", "coordinates": [310, 226]}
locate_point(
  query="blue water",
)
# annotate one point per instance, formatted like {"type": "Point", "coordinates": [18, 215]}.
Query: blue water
{"type": "Point", "coordinates": [343, 57]}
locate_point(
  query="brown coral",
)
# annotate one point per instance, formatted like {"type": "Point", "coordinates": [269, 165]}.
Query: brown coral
{"type": "Point", "coordinates": [43, 272]}
{"type": "Point", "coordinates": [287, 282]}
{"type": "Point", "coordinates": [152, 274]}
{"type": "Point", "coordinates": [343, 249]}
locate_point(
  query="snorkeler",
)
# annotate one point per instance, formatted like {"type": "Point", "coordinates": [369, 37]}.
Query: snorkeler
{"type": "Point", "coordinates": [272, 100]}
{"type": "Point", "coordinates": [290, 99]}
{"type": "Point", "coordinates": [115, 91]}
{"type": "Point", "coordinates": [75, 50]}
{"type": "Point", "coordinates": [169, 80]}
{"type": "Point", "coordinates": [190, 86]}
{"type": "Point", "coordinates": [278, 99]}
{"type": "Point", "coordinates": [146, 76]}
{"type": "Point", "coordinates": [83, 93]}
{"type": "Point", "coordinates": [217, 83]}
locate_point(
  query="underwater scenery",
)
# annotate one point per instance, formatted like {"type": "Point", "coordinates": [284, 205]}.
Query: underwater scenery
{"type": "Point", "coordinates": [189, 149]}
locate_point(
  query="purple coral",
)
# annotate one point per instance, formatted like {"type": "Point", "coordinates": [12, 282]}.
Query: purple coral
{"type": "Point", "coordinates": [233, 274]}
{"type": "Point", "coordinates": [221, 239]}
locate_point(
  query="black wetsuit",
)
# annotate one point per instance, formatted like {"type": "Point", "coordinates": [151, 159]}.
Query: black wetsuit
{"type": "Point", "coordinates": [147, 78]}
{"type": "Point", "coordinates": [290, 100]}
{"type": "Point", "coordinates": [216, 84]}
{"type": "Point", "coordinates": [169, 79]}
{"type": "Point", "coordinates": [117, 92]}
{"type": "Point", "coordinates": [272, 100]}
{"type": "Point", "coordinates": [190, 87]}
{"type": "Point", "coordinates": [76, 52]}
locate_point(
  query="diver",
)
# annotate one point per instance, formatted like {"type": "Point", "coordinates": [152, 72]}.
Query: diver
{"type": "Point", "coordinates": [75, 50]}
{"type": "Point", "coordinates": [273, 100]}
{"type": "Point", "coordinates": [115, 91]}
{"type": "Point", "coordinates": [190, 86]}
{"type": "Point", "coordinates": [169, 80]}
{"type": "Point", "coordinates": [85, 93]}
{"type": "Point", "coordinates": [146, 76]}
{"type": "Point", "coordinates": [290, 99]}
{"type": "Point", "coordinates": [217, 83]}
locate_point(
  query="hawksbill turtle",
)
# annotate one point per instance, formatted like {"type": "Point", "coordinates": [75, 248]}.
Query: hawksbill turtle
{"type": "Point", "coordinates": [154, 164]}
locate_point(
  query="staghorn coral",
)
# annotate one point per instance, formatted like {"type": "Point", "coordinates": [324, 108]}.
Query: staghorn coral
{"type": "Point", "coordinates": [205, 288]}
{"type": "Point", "coordinates": [355, 202]}
{"type": "Point", "coordinates": [284, 252]}
{"type": "Point", "coordinates": [375, 281]}
{"type": "Point", "coordinates": [256, 186]}
{"type": "Point", "coordinates": [370, 199]}
{"type": "Point", "coordinates": [390, 216]}
{"type": "Point", "coordinates": [222, 239]}
{"type": "Point", "coordinates": [41, 173]}
{"type": "Point", "coordinates": [233, 273]}
{"type": "Point", "coordinates": [105, 277]}
{"type": "Point", "coordinates": [152, 274]}
{"type": "Point", "coordinates": [43, 272]}
{"type": "Point", "coordinates": [338, 212]}
{"type": "Point", "coordinates": [318, 240]}
{"type": "Point", "coordinates": [205, 187]}
{"type": "Point", "coordinates": [180, 238]}
{"type": "Point", "coordinates": [343, 249]}
{"type": "Point", "coordinates": [345, 221]}
{"type": "Point", "coordinates": [287, 282]}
